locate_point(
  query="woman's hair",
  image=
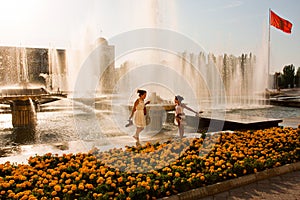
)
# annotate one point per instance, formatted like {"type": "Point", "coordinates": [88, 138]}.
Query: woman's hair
{"type": "Point", "coordinates": [141, 92]}
{"type": "Point", "coordinates": [179, 98]}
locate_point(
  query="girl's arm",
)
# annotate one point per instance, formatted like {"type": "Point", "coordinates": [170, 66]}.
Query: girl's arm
{"type": "Point", "coordinates": [188, 108]}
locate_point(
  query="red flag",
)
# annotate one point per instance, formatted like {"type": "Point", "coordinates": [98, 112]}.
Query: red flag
{"type": "Point", "coordinates": [280, 23]}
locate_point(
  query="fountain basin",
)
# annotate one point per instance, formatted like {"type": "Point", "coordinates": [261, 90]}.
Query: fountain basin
{"type": "Point", "coordinates": [24, 101]}
{"type": "Point", "coordinates": [235, 122]}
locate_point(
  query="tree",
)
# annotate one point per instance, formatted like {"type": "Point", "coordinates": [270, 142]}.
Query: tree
{"type": "Point", "coordinates": [289, 76]}
{"type": "Point", "coordinates": [297, 78]}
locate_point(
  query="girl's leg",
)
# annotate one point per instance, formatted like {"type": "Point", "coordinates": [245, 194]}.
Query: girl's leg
{"type": "Point", "coordinates": [180, 127]}
{"type": "Point", "coordinates": [181, 130]}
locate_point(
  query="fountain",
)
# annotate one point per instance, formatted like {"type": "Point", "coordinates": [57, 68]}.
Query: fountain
{"type": "Point", "coordinates": [102, 77]}
{"type": "Point", "coordinates": [24, 98]}
{"type": "Point", "coordinates": [149, 56]}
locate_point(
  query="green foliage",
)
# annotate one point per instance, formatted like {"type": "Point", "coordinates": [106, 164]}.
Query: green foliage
{"type": "Point", "coordinates": [289, 76]}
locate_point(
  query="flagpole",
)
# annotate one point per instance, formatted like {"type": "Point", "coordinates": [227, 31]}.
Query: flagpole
{"type": "Point", "coordinates": [269, 41]}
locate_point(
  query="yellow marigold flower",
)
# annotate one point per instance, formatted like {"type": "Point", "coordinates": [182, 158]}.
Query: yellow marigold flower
{"type": "Point", "coordinates": [166, 185]}
{"type": "Point", "coordinates": [177, 174]}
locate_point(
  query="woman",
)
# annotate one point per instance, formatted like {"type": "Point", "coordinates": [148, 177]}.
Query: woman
{"type": "Point", "coordinates": [139, 113]}
{"type": "Point", "coordinates": [179, 114]}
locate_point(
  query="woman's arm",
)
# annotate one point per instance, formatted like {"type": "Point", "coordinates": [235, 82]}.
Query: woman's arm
{"type": "Point", "coordinates": [133, 109]}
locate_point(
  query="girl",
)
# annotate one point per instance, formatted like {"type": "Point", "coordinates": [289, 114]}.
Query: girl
{"type": "Point", "coordinates": [179, 114]}
{"type": "Point", "coordinates": [139, 113]}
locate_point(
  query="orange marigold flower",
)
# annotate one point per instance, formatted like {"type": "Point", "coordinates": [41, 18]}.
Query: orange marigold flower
{"type": "Point", "coordinates": [57, 188]}
{"type": "Point", "coordinates": [81, 186]}
{"type": "Point", "coordinates": [121, 191]}
{"type": "Point", "coordinates": [54, 193]}
{"type": "Point", "coordinates": [74, 187]}
{"type": "Point", "coordinates": [113, 185]}
{"type": "Point", "coordinates": [202, 178]}
{"type": "Point", "coordinates": [120, 179]}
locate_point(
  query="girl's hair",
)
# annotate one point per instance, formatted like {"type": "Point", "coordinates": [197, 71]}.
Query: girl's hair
{"type": "Point", "coordinates": [179, 98]}
{"type": "Point", "coordinates": [141, 92]}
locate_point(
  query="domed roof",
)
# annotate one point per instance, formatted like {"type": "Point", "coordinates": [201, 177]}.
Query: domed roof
{"type": "Point", "coordinates": [101, 41]}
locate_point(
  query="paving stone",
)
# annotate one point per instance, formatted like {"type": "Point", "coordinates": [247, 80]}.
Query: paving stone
{"type": "Point", "coordinates": [221, 196]}
{"type": "Point", "coordinates": [283, 187]}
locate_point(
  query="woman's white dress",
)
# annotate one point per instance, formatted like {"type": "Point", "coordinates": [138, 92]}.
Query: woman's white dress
{"type": "Point", "coordinates": [139, 118]}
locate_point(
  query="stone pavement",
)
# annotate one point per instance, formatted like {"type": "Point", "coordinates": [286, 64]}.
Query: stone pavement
{"type": "Point", "coordinates": [285, 187]}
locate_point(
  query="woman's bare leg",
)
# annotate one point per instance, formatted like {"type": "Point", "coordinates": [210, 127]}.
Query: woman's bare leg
{"type": "Point", "coordinates": [137, 133]}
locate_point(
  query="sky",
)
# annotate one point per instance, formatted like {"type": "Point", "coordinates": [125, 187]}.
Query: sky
{"type": "Point", "coordinates": [219, 26]}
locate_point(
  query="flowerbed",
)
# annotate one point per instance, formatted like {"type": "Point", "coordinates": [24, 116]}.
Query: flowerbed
{"type": "Point", "coordinates": [150, 171]}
